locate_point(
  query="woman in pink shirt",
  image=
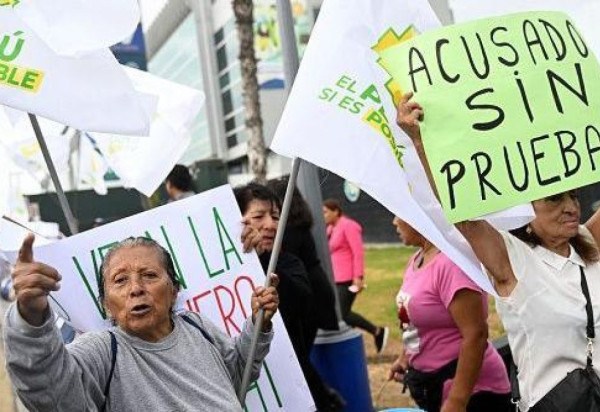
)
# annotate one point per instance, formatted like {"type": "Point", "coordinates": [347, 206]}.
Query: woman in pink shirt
{"type": "Point", "coordinates": [447, 362]}
{"type": "Point", "coordinates": [347, 259]}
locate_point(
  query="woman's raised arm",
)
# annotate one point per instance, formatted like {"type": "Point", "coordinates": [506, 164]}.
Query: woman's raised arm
{"type": "Point", "coordinates": [485, 240]}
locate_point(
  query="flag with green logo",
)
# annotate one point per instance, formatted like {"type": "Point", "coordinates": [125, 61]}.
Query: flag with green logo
{"type": "Point", "coordinates": [88, 91]}
{"type": "Point", "coordinates": [341, 115]}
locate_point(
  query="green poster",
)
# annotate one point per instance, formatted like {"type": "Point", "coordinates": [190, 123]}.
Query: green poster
{"type": "Point", "coordinates": [512, 109]}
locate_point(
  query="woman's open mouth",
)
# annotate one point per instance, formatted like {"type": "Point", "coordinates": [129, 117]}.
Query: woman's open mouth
{"type": "Point", "coordinates": [140, 310]}
{"type": "Point", "coordinates": [268, 239]}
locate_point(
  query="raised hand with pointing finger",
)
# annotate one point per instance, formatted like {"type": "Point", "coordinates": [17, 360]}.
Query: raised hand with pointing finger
{"type": "Point", "coordinates": [33, 282]}
{"type": "Point", "coordinates": [138, 286]}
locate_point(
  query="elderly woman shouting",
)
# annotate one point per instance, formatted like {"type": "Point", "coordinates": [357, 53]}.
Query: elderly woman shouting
{"type": "Point", "coordinates": [152, 360]}
{"type": "Point", "coordinates": [547, 275]}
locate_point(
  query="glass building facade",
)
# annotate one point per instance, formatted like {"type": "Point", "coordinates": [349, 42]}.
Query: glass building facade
{"type": "Point", "coordinates": [230, 82]}
{"type": "Point", "coordinates": [178, 61]}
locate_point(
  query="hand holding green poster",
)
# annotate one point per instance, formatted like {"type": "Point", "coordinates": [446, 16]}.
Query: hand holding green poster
{"type": "Point", "coordinates": [512, 109]}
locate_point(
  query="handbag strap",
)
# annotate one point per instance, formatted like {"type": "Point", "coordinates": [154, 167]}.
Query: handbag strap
{"type": "Point", "coordinates": [590, 331]}
{"type": "Point", "coordinates": [515, 391]}
{"type": "Point", "coordinates": [189, 320]}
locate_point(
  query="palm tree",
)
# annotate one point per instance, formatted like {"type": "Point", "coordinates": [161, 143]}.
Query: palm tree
{"type": "Point", "coordinates": [257, 152]}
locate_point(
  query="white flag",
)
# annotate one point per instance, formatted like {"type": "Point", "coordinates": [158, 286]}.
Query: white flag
{"type": "Point", "coordinates": [72, 27]}
{"type": "Point", "coordinates": [341, 116]}
{"type": "Point", "coordinates": [144, 162]}
{"type": "Point", "coordinates": [89, 92]}
{"type": "Point", "coordinates": [12, 235]}
{"type": "Point", "coordinates": [21, 145]}
{"type": "Point", "coordinates": [92, 166]}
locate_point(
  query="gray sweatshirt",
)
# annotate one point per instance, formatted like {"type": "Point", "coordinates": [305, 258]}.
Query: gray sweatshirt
{"type": "Point", "coordinates": [182, 372]}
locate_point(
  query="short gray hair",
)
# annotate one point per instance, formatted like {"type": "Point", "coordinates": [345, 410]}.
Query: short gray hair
{"type": "Point", "coordinates": [165, 256]}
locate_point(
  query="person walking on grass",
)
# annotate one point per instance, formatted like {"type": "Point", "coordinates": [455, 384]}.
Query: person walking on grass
{"type": "Point", "coordinates": [347, 258]}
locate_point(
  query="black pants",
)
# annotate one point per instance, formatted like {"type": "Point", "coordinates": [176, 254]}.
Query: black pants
{"type": "Point", "coordinates": [352, 318]}
{"type": "Point", "coordinates": [490, 402]}
{"type": "Point", "coordinates": [426, 390]}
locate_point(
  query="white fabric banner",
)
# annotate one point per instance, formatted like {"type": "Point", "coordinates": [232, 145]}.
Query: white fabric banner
{"type": "Point", "coordinates": [340, 115]}
{"type": "Point", "coordinates": [144, 162]}
{"type": "Point", "coordinates": [71, 27]}
{"type": "Point", "coordinates": [22, 147]}
{"type": "Point", "coordinates": [202, 234]}
{"type": "Point", "coordinates": [92, 166]}
{"type": "Point", "coordinates": [466, 10]}
{"type": "Point", "coordinates": [12, 235]}
{"type": "Point", "coordinates": [90, 92]}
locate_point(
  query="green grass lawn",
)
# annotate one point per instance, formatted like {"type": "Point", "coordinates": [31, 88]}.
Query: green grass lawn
{"type": "Point", "coordinates": [384, 273]}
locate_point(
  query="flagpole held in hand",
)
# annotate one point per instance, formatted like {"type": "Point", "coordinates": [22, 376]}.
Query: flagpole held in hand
{"type": "Point", "coordinates": [62, 199]}
{"type": "Point", "coordinates": [285, 210]}
{"type": "Point", "coordinates": [291, 63]}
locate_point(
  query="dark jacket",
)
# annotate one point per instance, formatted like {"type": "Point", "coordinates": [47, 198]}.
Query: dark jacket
{"type": "Point", "coordinates": [299, 242]}
{"type": "Point", "coordinates": [295, 298]}
{"type": "Point", "coordinates": [296, 305]}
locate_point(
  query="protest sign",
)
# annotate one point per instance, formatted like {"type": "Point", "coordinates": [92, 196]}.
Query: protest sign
{"type": "Point", "coordinates": [92, 91]}
{"type": "Point", "coordinates": [340, 115]}
{"type": "Point", "coordinates": [202, 233]}
{"type": "Point", "coordinates": [512, 109]}
{"type": "Point", "coordinates": [583, 12]}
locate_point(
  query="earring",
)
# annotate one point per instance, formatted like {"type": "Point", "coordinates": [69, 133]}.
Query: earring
{"type": "Point", "coordinates": [528, 230]}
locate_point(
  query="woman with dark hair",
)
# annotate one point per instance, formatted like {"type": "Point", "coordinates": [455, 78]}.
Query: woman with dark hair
{"type": "Point", "coordinates": [347, 259]}
{"type": "Point", "coordinates": [447, 362]}
{"type": "Point", "coordinates": [547, 276]}
{"type": "Point", "coordinates": [179, 183]}
{"type": "Point", "coordinates": [260, 208]}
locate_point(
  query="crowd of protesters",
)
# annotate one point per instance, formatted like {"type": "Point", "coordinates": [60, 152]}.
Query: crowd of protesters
{"type": "Point", "coordinates": [546, 275]}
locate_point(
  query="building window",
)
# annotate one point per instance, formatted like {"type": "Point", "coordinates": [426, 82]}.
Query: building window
{"type": "Point", "coordinates": [178, 61]}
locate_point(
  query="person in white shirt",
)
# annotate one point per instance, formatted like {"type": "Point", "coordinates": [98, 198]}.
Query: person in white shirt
{"type": "Point", "coordinates": [538, 271]}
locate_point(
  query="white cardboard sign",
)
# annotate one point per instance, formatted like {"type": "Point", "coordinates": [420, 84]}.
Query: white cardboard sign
{"type": "Point", "coordinates": [202, 234]}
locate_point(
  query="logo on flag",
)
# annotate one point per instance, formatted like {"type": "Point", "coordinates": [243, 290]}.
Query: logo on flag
{"type": "Point", "coordinates": [12, 3]}
{"type": "Point", "coordinates": [23, 78]}
{"type": "Point", "coordinates": [363, 98]}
